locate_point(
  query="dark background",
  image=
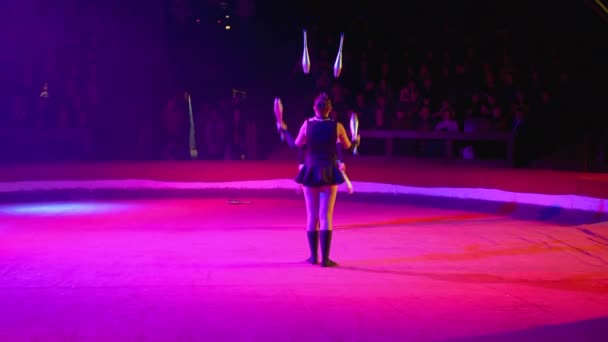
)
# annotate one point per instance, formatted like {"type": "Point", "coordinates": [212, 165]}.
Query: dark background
{"type": "Point", "coordinates": [147, 51]}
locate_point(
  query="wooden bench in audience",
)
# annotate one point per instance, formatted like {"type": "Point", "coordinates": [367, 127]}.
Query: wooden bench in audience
{"type": "Point", "coordinates": [449, 137]}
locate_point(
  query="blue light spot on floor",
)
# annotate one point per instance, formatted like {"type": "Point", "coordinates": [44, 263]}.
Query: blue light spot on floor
{"type": "Point", "coordinates": [62, 208]}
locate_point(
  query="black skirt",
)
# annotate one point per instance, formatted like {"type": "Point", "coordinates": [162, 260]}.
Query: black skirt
{"type": "Point", "coordinates": [319, 174]}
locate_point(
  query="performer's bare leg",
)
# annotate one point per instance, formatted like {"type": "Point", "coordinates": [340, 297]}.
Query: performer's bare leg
{"type": "Point", "coordinates": [327, 201]}
{"type": "Point", "coordinates": [311, 196]}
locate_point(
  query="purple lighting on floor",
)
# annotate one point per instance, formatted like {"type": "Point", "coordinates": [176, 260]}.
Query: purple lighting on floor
{"type": "Point", "coordinates": [62, 208]}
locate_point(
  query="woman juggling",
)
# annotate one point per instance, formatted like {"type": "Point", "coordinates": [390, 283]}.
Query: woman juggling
{"type": "Point", "coordinates": [320, 175]}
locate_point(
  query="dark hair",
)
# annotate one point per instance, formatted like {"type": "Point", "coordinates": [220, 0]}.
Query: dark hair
{"type": "Point", "coordinates": [322, 102]}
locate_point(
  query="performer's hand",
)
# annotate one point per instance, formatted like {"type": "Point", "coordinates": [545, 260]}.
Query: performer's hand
{"type": "Point", "coordinates": [342, 167]}
{"type": "Point", "coordinates": [281, 126]}
{"type": "Point", "coordinates": [300, 166]}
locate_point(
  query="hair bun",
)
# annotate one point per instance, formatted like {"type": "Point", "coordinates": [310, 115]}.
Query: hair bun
{"type": "Point", "coordinates": [322, 101]}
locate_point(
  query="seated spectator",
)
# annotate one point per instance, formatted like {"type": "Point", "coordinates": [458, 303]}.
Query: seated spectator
{"type": "Point", "coordinates": [499, 122]}
{"type": "Point", "coordinates": [474, 107]}
{"type": "Point", "coordinates": [445, 106]}
{"type": "Point", "coordinates": [429, 92]}
{"type": "Point", "coordinates": [380, 120]}
{"type": "Point", "coordinates": [520, 103]}
{"type": "Point", "coordinates": [404, 99]}
{"type": "Point", "coordinates": [403, 121]}
{"type": "Point", "coordinates": [424, 121]}
{"type": "Point", "coordinates": [448, 124]}
{"type": "Point", "coordinates": [519, 121]}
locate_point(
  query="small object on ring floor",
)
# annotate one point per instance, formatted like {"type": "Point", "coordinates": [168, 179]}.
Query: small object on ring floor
{"type": "Point", "coordinates": [236, 201]}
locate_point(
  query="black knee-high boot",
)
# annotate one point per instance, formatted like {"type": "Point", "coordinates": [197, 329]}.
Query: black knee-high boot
{"type": "Point", "coordinates": [325, 248]}
{"type": "Point", "coordinates": [313, 243]}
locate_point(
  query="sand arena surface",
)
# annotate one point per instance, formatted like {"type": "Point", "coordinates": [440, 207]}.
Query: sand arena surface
{"type": "Point", "coordinates": [200, 269]}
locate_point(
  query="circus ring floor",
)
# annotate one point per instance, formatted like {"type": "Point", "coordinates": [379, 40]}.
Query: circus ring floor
{"type": "Point", "coordinates": [207, 251]}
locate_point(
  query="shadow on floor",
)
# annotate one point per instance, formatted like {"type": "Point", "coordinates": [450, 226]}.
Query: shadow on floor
{"type": "Point", "coordinates": [585, 331]}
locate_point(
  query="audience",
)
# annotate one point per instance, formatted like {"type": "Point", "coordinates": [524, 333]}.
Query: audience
{"type": "Point", "coordinates": [437, 87]}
